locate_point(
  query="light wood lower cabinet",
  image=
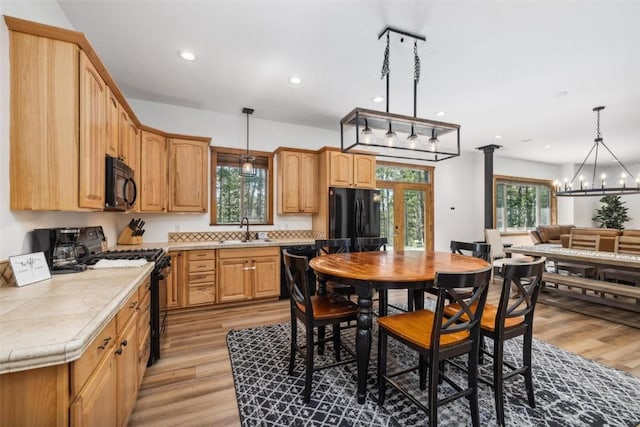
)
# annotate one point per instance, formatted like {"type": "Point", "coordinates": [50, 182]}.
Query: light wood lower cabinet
{"type": "Point", "coordinates": [96, 403]}
{"type": "Point", "coordinates": [248, 273]}
{"type": "Point", "coordinates": [144, 329]}
{"type": "Point", "coordinates": [98, 389]}
{"type": "Point", "coordinates": [172, 286]}
{"type": "Point", "coordinates": [126, 357]}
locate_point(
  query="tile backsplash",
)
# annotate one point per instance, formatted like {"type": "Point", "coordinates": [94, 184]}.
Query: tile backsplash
{"type": "Point", "coordinates": [204, 236]}
{"type": "Point", "coordinates": [6, 274]}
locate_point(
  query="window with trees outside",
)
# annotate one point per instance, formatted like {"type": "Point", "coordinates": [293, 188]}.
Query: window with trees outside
{"type": "Point", "coordinates": [521, 204]}
{"type": "Point", "coordinates": [235, 196]}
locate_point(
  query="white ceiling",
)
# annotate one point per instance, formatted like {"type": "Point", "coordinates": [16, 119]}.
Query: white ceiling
{"type": "Point", "coordinates": [527, 70]}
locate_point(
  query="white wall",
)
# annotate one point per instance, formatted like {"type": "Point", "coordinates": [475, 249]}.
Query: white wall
{"type": "Point", "coordinates": [459, 199]}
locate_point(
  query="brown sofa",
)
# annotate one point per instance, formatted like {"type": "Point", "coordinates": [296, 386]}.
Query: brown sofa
{"type": "Point", "coordinates": [607, 236]}
{"type": "Point", "coordinates": [550, 233]}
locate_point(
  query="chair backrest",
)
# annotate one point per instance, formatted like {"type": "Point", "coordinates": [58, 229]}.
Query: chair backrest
{"type": "Point", "coordinates": [627, 245]}
{"type": "Point", "coordinates": [525, 279]}
{"type": "Point", "coordinates": [370, 244]}
{"type": "Point", "coordinates": [300, 290]}
{"type": "Point", "coordinates": [469, 292]}
{"type": "Point", "coordinates": [494, 239]}
{"type": "Point", "coordinates": [332, 246]}
{"type": "Point", "coordinates": [478, 250]}
{"type": "Point", "coordinates": [584, 241]}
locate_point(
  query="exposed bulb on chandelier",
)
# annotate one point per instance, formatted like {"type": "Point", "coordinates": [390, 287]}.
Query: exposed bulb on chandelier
{"type": "Point", "coordinates": [390, 138]}
{"type": "Point", "coordinates": [367, 134]}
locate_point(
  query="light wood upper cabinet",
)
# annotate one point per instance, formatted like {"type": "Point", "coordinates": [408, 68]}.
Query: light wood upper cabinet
{"type": "Point", "coordinates": [153, 177]}
{"type": "Point", "coordinates": [364, 171]}
{"type": "Point", "coordinates": [297, 182]}
{"type": "Point", "coordinates": [351, 170]}
{"type": "Point", "coordinates": [188, 173]}
{"type": "Point", "coordinates": [93, 125]}
{"type": "Point", "coordinates": [44, 123]}
{"type": "Point", "coordinates": [113, 128]}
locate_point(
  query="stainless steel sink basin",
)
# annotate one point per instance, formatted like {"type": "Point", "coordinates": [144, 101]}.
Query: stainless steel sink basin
{"type": "Point", "coordinates": [235, 242]}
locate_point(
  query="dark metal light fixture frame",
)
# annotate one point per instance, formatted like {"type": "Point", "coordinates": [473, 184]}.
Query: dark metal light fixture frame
{"type": "Point", "coordinates": [247, 161]}
{"type": "Point", "coordinates": [417, 146]}
{"type": "Point", "coordinates": [566, 189]}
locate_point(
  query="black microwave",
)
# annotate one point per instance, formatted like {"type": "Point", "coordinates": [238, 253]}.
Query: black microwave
{"type": "Point", "coordinates": [120, 187]}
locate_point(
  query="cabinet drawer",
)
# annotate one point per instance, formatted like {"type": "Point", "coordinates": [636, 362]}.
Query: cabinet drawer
{"type": "Point", "coordinates": [204, 265]}
{"type": "Point", "coordinates": [200, 255]}
{"type": "Point", "coordinates": [248, 252]}
{"type": "Point", "coordinates": [201, 294]}
{"type": "Point", "coordinates": [204, 277]}
{"type": "Point", "coordinates": [126, 312]}
{"type": "Point", "coordinates": [102, 346]}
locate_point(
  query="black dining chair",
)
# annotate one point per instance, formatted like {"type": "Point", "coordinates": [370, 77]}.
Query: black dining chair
{"type": "Point", "coordinates": [335, 246]}
{"type": "Point", "coordinates": [370, 244]}
{"type": "Point", "coordinates": [474, 249]}
{"type": "Point", "coordinates": [510, 319]}
{"type": "Point", "coordinates": [314, 311]}
{"type": "Point", "coordinates": [438, 339]}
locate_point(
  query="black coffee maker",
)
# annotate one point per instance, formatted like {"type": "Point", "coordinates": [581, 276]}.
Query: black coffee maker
{"type": "Point", "coordinates": [66, 247]}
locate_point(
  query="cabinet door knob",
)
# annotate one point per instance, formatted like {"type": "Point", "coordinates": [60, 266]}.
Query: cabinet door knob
{"type": "Point", "coordinates": [124, 343]}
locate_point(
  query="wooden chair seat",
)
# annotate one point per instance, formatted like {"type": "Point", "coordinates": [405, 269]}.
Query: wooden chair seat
{"type": "Point", "coordinates": [415, 327]}
{"type": "Point", "coordinates": [325, 307]}
{"type": "Point", "coordinates": [489, 315]}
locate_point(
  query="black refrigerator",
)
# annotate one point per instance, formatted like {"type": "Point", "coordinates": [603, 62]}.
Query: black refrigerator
{"type": "Point", "coordinates": [353, 213]}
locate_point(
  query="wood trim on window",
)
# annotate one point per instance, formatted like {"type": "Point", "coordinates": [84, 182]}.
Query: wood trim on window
{"type": "Point", "coordinates": [215, 151]}
{"type": "Point", "coordinates": [521, 180]}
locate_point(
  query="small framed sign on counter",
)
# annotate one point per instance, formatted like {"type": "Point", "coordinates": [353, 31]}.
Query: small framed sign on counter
{"type": "Point", "coordinates": [29, 268]}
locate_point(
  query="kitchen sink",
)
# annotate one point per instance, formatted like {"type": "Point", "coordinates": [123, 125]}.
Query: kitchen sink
{"type": "Point", "coordinates": [232, 242]}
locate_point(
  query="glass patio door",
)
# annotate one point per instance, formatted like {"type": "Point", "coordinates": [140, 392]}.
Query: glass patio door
{"type": "Point", "coordinates": [404, 215]}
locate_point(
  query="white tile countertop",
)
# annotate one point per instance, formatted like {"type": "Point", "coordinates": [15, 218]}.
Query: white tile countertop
{"type": "Point", "coordinates": [54, 321]}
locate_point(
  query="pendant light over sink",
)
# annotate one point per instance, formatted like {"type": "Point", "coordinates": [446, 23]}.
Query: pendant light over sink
{"type": "Point", "coordinates": [247, 161]}
{"type": "Point", "coordinates": [399, 136]}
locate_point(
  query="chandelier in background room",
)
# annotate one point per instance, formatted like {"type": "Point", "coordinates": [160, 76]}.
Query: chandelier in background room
{"type": "Point", "coordinates": [399, 136]}
{"type": "Point", "coordinates": [247, 161]}
{"type": "Point", "coordinates": [598, 184]}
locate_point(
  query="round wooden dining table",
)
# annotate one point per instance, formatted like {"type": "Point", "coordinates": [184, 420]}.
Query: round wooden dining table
{"type": "Point", "coordinates": [383, 270]}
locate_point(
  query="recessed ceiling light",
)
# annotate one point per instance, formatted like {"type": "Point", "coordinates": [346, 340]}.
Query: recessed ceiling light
{"type": "Point", "coordinates": [187, 55]}
{"type": "Point", "coordinates": [562, 94]}
{"type": "Point", "coordinates": [441, 113]}
{"type": "Point", "coordinates": [497, 137]}
{"type": "Point", "coordinates": [377, 99]}
{"type": "Point", "coordinates": [295, 80]}
{"type": "Point", "coordinates": [547, 146]}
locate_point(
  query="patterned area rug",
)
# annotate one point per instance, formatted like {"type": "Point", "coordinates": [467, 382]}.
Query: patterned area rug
{"type": "Point", "coordinates": [569, 390]}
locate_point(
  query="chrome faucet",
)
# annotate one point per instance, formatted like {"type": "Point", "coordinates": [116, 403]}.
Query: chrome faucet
{"type": "Point", "coordinates": [245, 221]}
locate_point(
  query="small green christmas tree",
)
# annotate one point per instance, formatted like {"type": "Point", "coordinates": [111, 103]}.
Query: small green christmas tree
{"type": "Point", "coordinates": [612, 214]}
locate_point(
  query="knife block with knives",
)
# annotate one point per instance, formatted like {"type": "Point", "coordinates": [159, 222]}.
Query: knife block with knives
{"type": "Point", "coordinates": [132, 233]}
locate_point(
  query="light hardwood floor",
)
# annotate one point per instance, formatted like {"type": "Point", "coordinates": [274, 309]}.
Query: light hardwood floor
{"type": "Point", "coordinates": [192, 384]}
